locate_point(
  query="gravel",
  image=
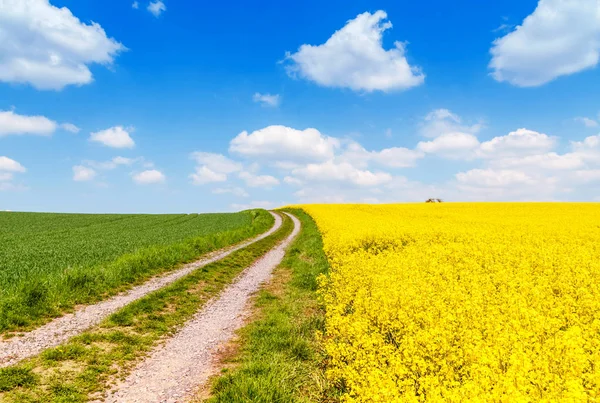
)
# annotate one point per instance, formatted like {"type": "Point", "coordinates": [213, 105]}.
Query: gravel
{"type": "Point", "coordinates": [175, 369]}
{"type": "Point", "coordinates": [61, 329]}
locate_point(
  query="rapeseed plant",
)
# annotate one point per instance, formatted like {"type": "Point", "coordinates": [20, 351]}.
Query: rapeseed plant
{"type": "Point", "coordinates": [462, 302]}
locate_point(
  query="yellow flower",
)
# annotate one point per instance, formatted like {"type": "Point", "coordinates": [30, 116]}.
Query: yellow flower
{"type": "Point", "coordinates": [462, 302]}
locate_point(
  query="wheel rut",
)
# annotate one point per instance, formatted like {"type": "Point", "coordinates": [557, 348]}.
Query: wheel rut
{"type": "Point", "coordinates": [175, 369]}
{"type": "Point", "coordinates": [59, 330]}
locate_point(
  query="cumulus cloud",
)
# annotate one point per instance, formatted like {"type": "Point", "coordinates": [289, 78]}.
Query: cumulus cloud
{"type": "Point", "coordinates": [591, 175]}
{"type": "Point", "coordinates": [442, 121]}
{"type": "Point", "coordinates": [148, 177]}
{"type": "Point", "coordinates": [588, 149]}
{"type": "Point", "coordinates": [354, 57]}
{"type": "Point", "coordinates": [115, 137]}
{"type": "Point", "coordinates": [83, 174]}
{"type": "Point", "coordinates": [285, 144]}
{"type": "Point", "coordinates": [267, 99]}
{"type": "Point", "coordinates": [48, 47]}
{"type": "Point", "coordinates": [453, 145]}
{"type": "Point", "coordinates": [12, 123]}
{"type": "Point", "coordinates": [290, 180]}
{"type": "Point", "coordinates": [493, 178]}
{"type": "Point", "coordinates": [212, 167]}
{"type": "Point", "coordinates": [521, 165]}
{"type": "Point", "coordinates": [341, 172]}
{"type": "Point", "coordinates": [216, 162]}
{"type": "Point", "coordinates": [10, 165]}
{"type": "Point", "coordinates": [394, 157]}
{"type": "Point", "coordinates": [114, 163]}
{"type": "Point", "coordinates": [560, 37]}
{"type": "Point", "coordinates": [549, 161]}
{"type": "Point", "coordinates": [204, 175]}
{"type": "Point", "coordinates": [521, 141]}
{"type": "Point", "coordinates": [262, 181]}
{"type": "Point", "coordinates": [157, 8]}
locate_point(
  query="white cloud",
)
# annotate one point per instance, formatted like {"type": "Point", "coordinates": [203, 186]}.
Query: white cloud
{"type": "Point", "coordinates": [395, 157]}
{"type": "Point", "coordinates": [48, 47]}
{"type": "Point", "coordinates": [451, 138]}
{"type": "Point", "coordinates": [70, 127]}
{"type": "Point", "coordinates": [441, 121]}
{"type": "Point", "coordinates": [552, 161]}
{"type": "Point", "coordinates": [521, 141]}
{"type": "Point", "coordinates": [12, 123]}
{"type": "Point", "coordinates": [560, 37]}
{"type": "Point", "coordinates": [115, 137]}
{"type": "Point", "coordinates": [591, 175]}
{"type": "Point", "coordinates": [587, 122]}
{"type": "Point", "coordinates": [123, 161]}
{"type": "Point", "coordinates": [588, 149]}
{"type": "Point", "coordinates": [149, 177]}
{"type": "Point", "coordinates": [216, 162]}
{"type": "Point", "coordinates": [493, 178]}
{"type": "Point", "coordinates": [341, 172]}
{"type": "Point", "coordinates": [452, 145]}
{"type": "Point", "coordinates": [157, 8]}
{"type": "Point", "coordinates": [212, 167]}
{"type": "Point", "coordinates": [283, 143]}
{"type": "Point", "coordinates": [442, 114]}
{"type": "Point", "coordinates": [590, 142]}
{"type": "Point", "coordinates": [290, 180]}
{"type": "Point", "coordinates": [135, 5]}
{"type": "Point", "coordinates": [204, 175]}
{"type": "Point", "coordinates": [354, 58]}
{"type": "Point", "coordinates": [10, 165]}
{"type": "Point", "coordinates": [263, 181]}
{"type": "Point", "coordinates": [113, 163]}
{"type": "Point", "coordinates": [235, 191]}
{"type": "Point", "coordinates": [267, 99]}
{"type": "Point", "coordinates": [82, 173]}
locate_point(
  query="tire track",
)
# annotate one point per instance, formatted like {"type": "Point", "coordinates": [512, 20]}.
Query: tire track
{"type": "Point", "coordinates": [63, 328]}
{"type": "Point", "coordinates": [175, 369]}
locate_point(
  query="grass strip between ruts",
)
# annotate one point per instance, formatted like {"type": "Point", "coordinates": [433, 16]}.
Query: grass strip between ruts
{"type": "Point", "coordinates": [39, 299]}
{"type": "Point", "coordinates": [279, 357]}
{"type": "Point", "coordinates": [84, 368]}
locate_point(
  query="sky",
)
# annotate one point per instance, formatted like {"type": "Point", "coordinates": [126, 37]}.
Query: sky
{"type": "Point", "coordinates": [182, 106]}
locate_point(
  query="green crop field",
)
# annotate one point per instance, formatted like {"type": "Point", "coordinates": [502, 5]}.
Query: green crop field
{"type": "Point", "coordinates": [51, 262]}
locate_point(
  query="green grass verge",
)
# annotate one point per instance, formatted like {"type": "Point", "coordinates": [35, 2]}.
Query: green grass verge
{"type": "Point", "coordinates": [81, 259]}
{"type": "Point", "coordinates": [279, 358]}
{"type": "Point", "coordinates": [83, 368]}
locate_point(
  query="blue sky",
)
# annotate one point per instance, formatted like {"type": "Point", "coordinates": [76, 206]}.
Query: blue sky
{"type": "Point", "coordinates": [179, 106]}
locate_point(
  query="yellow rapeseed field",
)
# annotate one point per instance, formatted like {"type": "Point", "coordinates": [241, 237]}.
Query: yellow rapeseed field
{"type": "Point", "coordinates": [463, 302]}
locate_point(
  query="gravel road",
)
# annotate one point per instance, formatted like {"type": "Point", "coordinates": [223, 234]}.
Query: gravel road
{"type": "Point", "coordinates": [61, 329]}
{"type": "Point", "coordinates": [175, 369]}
